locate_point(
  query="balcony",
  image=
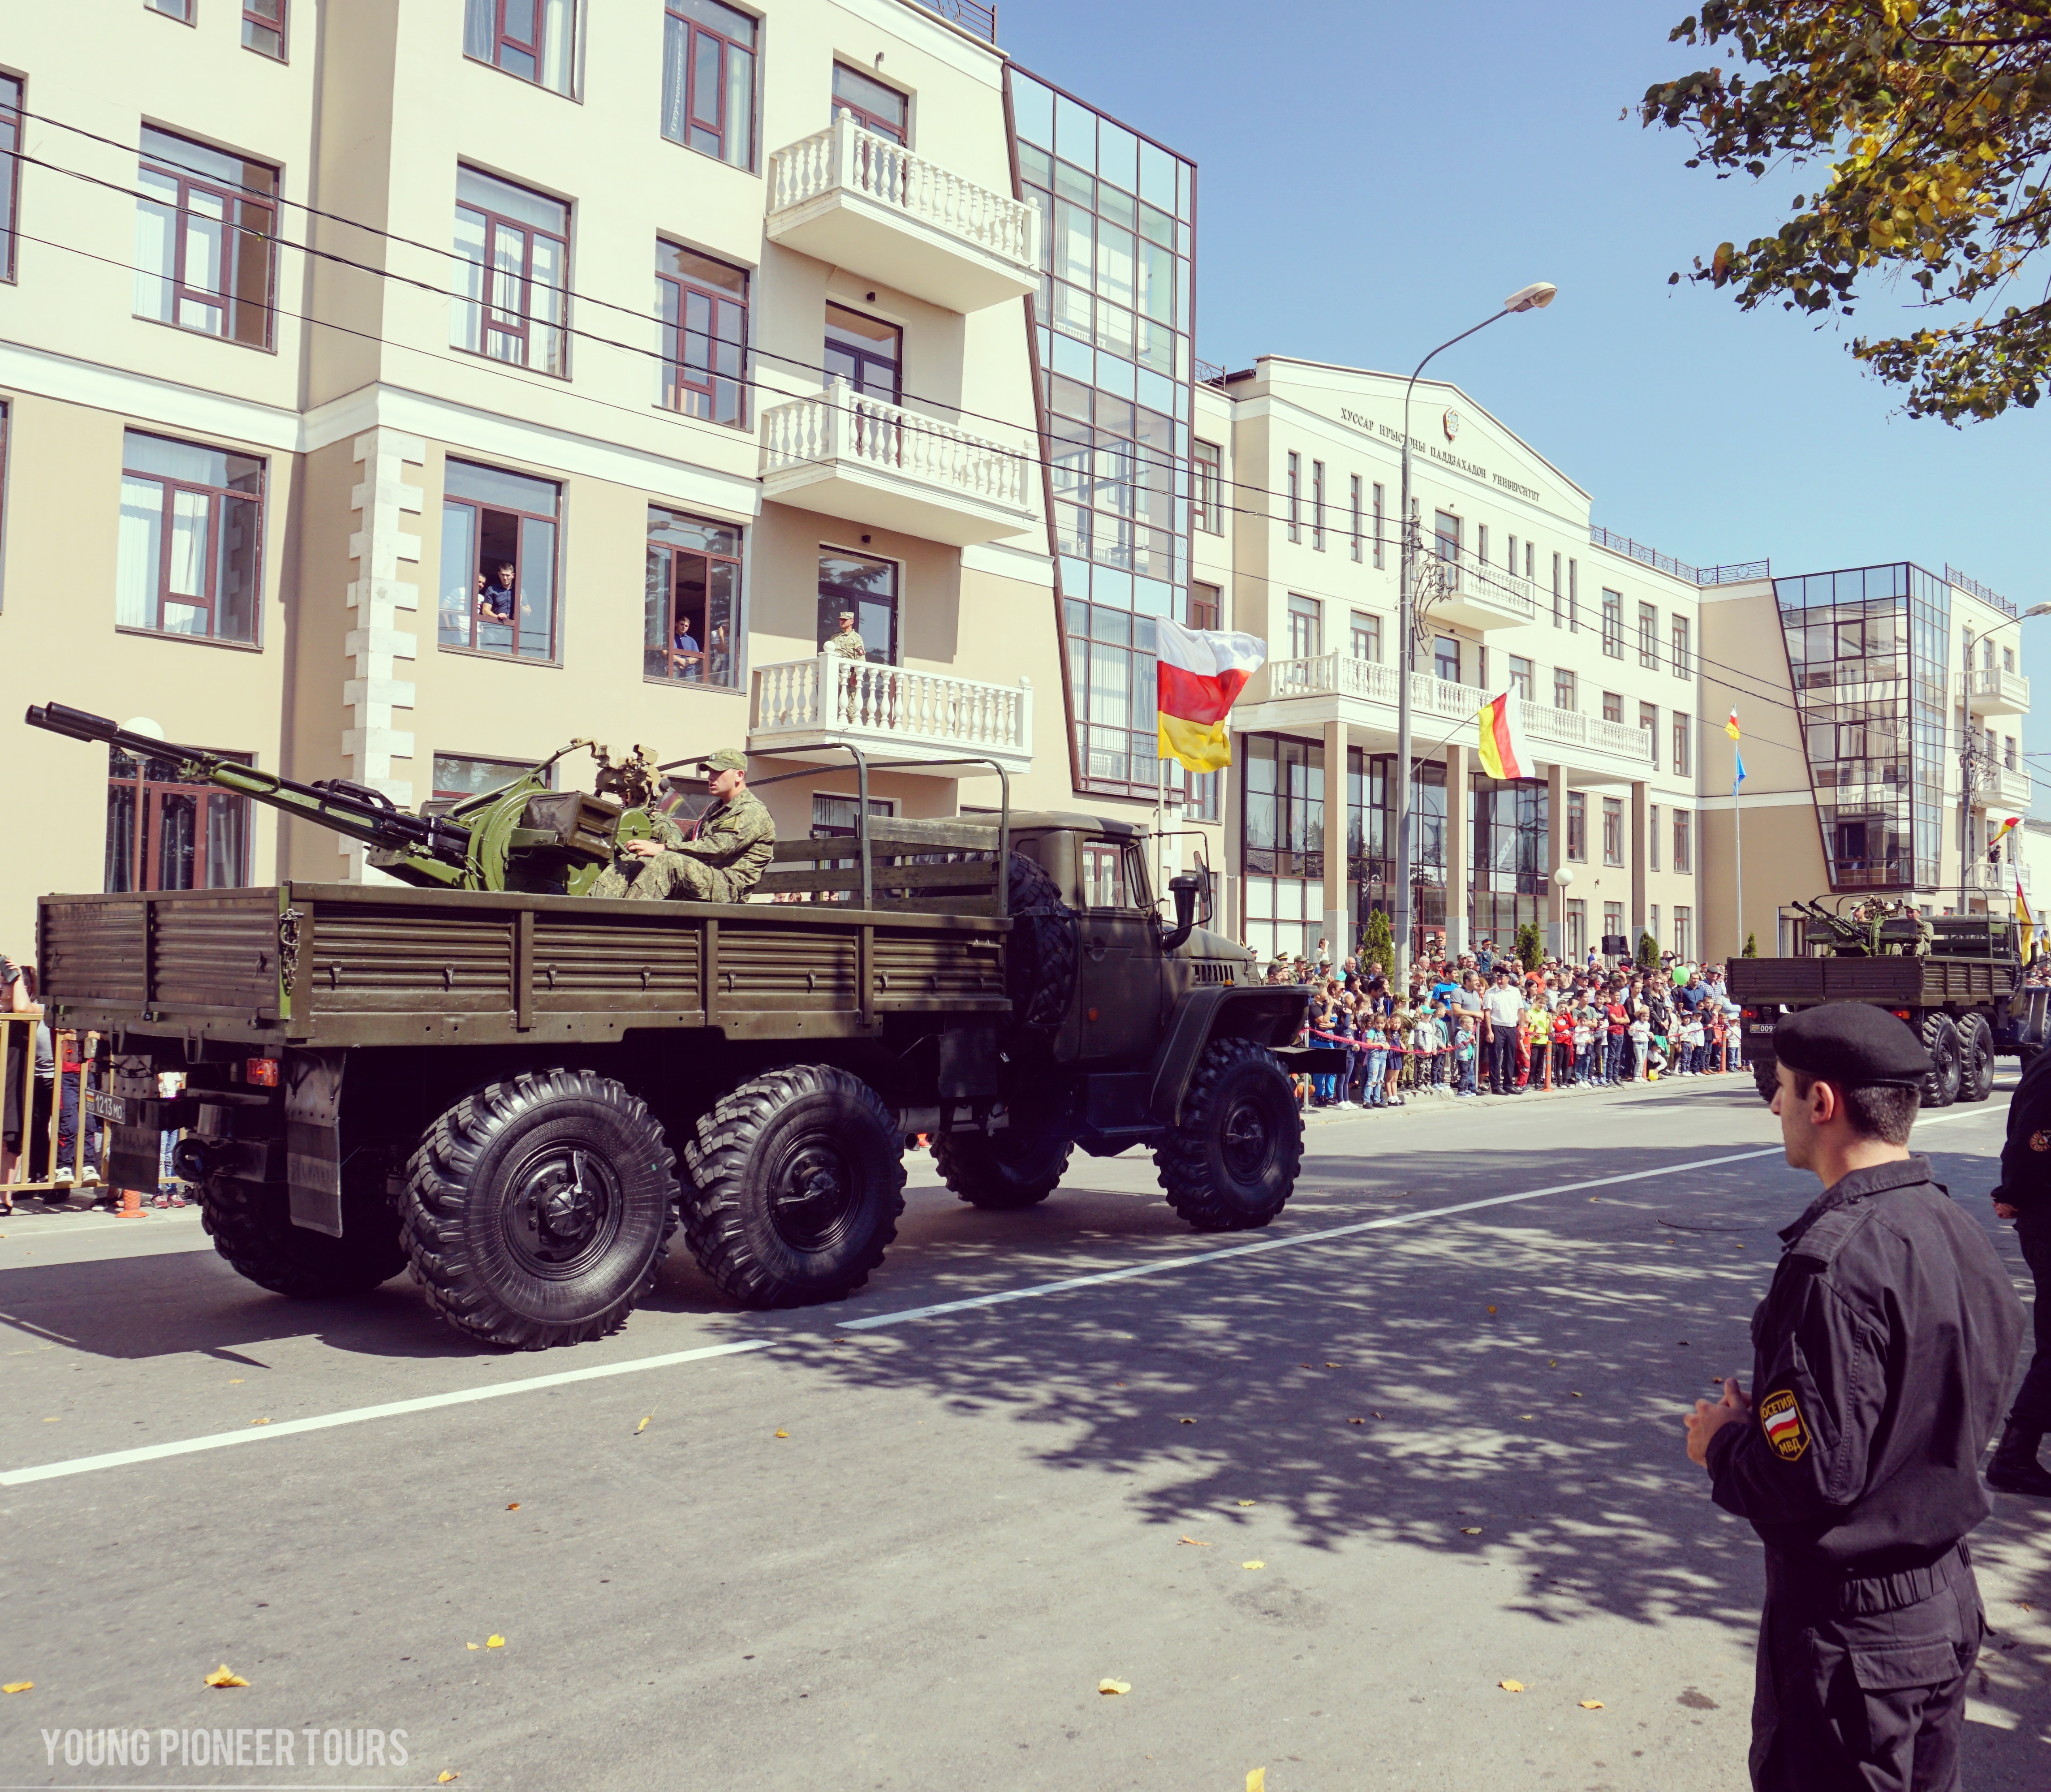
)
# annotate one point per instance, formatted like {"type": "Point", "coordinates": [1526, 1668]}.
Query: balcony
{"type": "Point", "coordinates": [803, 708]}
{"type": "Point", "coordinates": [2002, 786]}
{"type": "Point", "coordinates": [858, 458]}
{"type": "Point", "coordinates": [854, 200]}
{"type": "Point", "coordinates": [1459, 591]}
{"type": "Point", "coordinates": [1983, 879]}
{"type": "Point", "coordinates": [1993, 692]}
{"type": "Point", "coordinates": [1362, 693]}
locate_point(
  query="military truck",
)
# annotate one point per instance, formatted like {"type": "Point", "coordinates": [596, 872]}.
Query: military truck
{"type": "Point", "coordinates": [522, 1092]}
{"type": "Point", "coordinates": [1956, 980]}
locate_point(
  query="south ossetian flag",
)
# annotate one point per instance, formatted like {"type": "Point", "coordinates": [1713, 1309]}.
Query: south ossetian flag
{"type": "Point", "coordinates": [1198, 674]}
{"type": "Point", "coordinates": [1503, 753]}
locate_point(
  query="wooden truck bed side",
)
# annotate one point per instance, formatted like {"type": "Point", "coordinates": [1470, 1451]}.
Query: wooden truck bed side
{"type": "Point", "coordinates": [351, 965]}
{"type": "Point", "coordinates": [1907, 982]}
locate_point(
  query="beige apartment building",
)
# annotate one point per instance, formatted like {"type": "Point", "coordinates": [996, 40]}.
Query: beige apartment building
{"type": "Point", "coordinates": [395, 390]}
{"type": "Point", "coordinates": [1298, 471]}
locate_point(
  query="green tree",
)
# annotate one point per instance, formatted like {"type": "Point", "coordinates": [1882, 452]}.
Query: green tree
{"type": "Point", "coordinates": [1378, 941]}
{"type": "Point", "coordinates": [1925, 129]}
{"type": "Point", "coordinates": [1751, 946]}
{"type": "Point", "coordinates": [1531, 946]}
{"type": "Point", "coordinates": [1648, 952]}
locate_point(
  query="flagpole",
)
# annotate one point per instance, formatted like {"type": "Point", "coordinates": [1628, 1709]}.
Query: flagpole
{"type": "Point", "coordinates": [1737, 833]}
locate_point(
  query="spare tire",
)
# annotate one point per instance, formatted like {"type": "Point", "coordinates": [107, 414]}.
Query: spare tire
{"type": "Point", "coordinates": [1040, 954]}
{"type": "Point", "coordinates": [1940, 1035]}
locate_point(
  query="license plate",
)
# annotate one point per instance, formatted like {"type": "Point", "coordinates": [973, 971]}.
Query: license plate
{"type": "Point", "coordinates": [1761, 1026]}
{"type": "Point", "coordinates": [112, 1109]}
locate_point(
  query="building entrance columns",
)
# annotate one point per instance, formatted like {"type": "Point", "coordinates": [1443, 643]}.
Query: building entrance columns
{"type": "Point", "coordinates": [1342, 926]}
{"type": "Point", "coordinates": [1459, 839]}
{"type": "Point", "coordinates": [1638, 843]}
{"type": "Point", "coordinates": [1556, 854]}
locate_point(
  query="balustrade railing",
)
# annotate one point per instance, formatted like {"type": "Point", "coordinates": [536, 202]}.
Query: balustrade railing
{"type": "Point", "coordinates": [842, 424]}
{"type": "Point", "coordinates": [1733, 573]}
{"type": "Point", "coordinates": [829, 695]}
{"type": "Point", "coordinates": [845, 156]}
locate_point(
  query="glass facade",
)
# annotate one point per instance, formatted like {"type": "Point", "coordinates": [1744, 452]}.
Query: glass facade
{"type": "Point", "coordinates": [1111, 327]}
{"type": "Point", "coordinates": [1870, 651]}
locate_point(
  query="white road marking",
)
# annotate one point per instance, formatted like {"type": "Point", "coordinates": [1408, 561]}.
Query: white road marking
{"type": "Point", "coordinates": [1195, 1258]}
{"type": "Point", "coordinates": [292, 1428]}
{"type": "Point", "coordinates": [356, 1415]}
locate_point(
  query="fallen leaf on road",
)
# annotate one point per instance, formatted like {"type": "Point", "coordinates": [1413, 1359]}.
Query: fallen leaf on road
{"type": "Point", "coordinates": [1592, 1704]}
{"type": "Point", "coordinates": [1189, 1540]}
{"type": "Point", "coordinates": [225, 1676]}
{"type": "Point", "coordinates": [259, 1421]}
{"type": "Point", "coordinates": [1377, 1414]}
{"type": "Point", "coordinates": [513, 1507]}
{"type": "Point", "coordinates": [1511, 1686]}
{"type": "Point", "coordinates": [1470, 1530]}
{"type": "Point", "coordinates": [236, 1380]}
{"type": "Point", "coordinates": [1249, 1502]}
{"type": "Point", "coordinates": [470, 1645]}
{"type": "Point", "coordinates": [783, 1434]}
{"type": "Point", "coordinates": [1492, 1309]}
{"type": "Point", "coordinates": [1113, 1686]}
{"type": "Point", "coordinates": [1256, 1779]}
{"type": "Point", "coordinates": [643, 1426]}
{"type": "Point", "coordinates": [495, 1643]}
{"type": "Point", "coordinates": [1524, 1416]}
{"type": "Point", "coordinates": [53, 1421]}
{"type": "Point", "coordinates": [1551, 1362]}
{"type": "Point", "coordinates": [1253, 1564]}
{"type": "Point", "coordinates": [1573, 1396]}
{"type": "Point", "coordinates": [444, 1777]}
{"type": "Point", "coordinates": [18, 1686]}
{"type": "Point", "coordinates": [1185, 1421]}
{"type": "Point", "coordinates": [1356, 1421]}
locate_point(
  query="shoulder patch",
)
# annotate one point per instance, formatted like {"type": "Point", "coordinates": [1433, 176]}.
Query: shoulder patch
{"type": "Point", "coordinates": [2039, 1142]}
{"type": "Point", "coordinates": [1780, 1418]}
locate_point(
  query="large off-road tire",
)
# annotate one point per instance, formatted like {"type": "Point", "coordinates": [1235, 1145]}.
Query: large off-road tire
{"type": "Point", "coordinates": [537, 1211]}
{"type": "Point", "coordinates": [796, 1180]}
{"type": "Point", "coordinates": [1764, 1079]}
{"type": "Point", "coordinates": [1939, 1034]}
{"type": "Point", "coordinates": [1013, 1168]}
{"type": "Point", "coordinates": [1975, 1057]}
{"type": "Point", "coordinates": [1039, 955]}
{"type": "Point", "coordinates": [251, 1225]}
{"type": "Point", "coordinates": [1232, 1164]}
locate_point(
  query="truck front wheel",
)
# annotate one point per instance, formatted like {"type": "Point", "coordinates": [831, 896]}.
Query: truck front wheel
{"type": "Point", "coordinates": [797, 1179]}
{"type": "Point", "coordinates": [251, 1225]}
{"type": "Point", "coordinates": [537, 1211]}
{"type": "Point", "coordinates": [1939, 1034]}
{"type": "Point", "coordinates": [1232, 1164]}
{"type": "Point", "coordinates": [1975, 1057]}
{"type": "Point", "coordinates": [1013, 1168]}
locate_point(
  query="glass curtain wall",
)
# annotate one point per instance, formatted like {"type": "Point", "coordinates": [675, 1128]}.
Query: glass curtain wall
{"type": "Point", "coordinates": [1508, 863]}
{"type": "Point", "coordinates": [1371, 841]}
{"type": "Point", "coordinates": [1113, 325]}
{"type": "Point", "coordinates": [1868, 648]}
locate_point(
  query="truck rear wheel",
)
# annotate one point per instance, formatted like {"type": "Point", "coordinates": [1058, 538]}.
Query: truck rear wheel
{"type": "Point", "coordinates": [537, 1211]}
{"type": "Point", "coordinates": [797, 1179]}
{"type": "Point", "coordinates": [1975, 1057]}
{"type": "Point", "coordinates": [1011, 1169]}
{"type": "Point", "coordinates": [1232, 1164]}
{"type": "Point", "coordinates": [1764, 1079]}
{"type": "Point", "coordinates": [1939, 1034]}
{"type": "Point", "coordinates": [251, 1225]}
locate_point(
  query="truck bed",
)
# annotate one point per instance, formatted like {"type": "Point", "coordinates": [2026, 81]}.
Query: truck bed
{"type": "Point", "coordinates": [351, 965]}
{"type": "Point", "coordinates": [1932, 982]}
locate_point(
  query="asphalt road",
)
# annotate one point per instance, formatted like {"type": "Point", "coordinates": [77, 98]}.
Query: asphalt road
{"type": "Point", "coordinates": [1312, 1502]}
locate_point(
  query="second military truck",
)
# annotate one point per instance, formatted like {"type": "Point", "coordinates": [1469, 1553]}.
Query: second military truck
{"type": "Point", "coordinates": [522, 1095]}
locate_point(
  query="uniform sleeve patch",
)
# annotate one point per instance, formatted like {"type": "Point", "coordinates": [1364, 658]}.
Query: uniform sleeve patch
{"type": "Point", "coordinates": [2039, 1142]}
{"type": "Point", "coordinates": [1780, 1418]}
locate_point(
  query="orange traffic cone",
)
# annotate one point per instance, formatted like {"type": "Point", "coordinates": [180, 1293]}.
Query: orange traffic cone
{"type": "Point", "coordinates": [131, 1204]}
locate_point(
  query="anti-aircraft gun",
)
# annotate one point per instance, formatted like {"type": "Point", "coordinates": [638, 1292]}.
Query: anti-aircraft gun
{"type": "Point", "coordinates": [523, 836]}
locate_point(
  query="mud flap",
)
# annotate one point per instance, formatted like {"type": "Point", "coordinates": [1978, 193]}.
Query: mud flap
{"type": "Point", "coordinates": [313, 1138]}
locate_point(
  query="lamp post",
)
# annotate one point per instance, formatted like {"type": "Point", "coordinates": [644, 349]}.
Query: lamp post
{"type": "Point", "coordinates": [1533, 298]}
{"type": "Point", "coordinates": [1969, 750]}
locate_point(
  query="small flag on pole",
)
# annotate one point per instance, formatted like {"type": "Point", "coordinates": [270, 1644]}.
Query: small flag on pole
{"type": "Point", "coordinates": [1730, 727]}
{"type": "Point", "coordinates": [1197, 675]}
{"type": "Point", "coordinates": [1737, 776]}
{"type": "Point", "coordinates": [2004, 831]}
{"type": "Point", "coordinates": [1503, 753]}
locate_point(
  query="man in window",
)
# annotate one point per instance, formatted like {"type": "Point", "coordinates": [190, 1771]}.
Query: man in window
{"type": "Point", "coordinates": [719, 858]}
{"type": "Point", "coordinates": [847, 643]}
{"type": "Point", "coordinates": [684, 650]}
{"type": "Point", "coordinates": [494, 601]}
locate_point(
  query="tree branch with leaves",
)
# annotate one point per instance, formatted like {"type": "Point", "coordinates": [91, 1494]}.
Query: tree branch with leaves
{"type": "Point", "coordinates": [1930, 127]}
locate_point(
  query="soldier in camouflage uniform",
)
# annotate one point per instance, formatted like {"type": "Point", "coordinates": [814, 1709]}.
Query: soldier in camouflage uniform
{"type": "Point", "coordinates": [720, 858]}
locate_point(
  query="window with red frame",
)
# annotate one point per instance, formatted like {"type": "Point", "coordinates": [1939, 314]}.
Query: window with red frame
{"type": "Point", "coordinates": [164, 834]}
{"type": "Point", "coordinates": [10, 170]}
{"type": "Point", "coordinates": [535, 40]}
{"type": "Point", "coordinates": [1204, 606]}
{"type": "Point", "coordinates": [513, 249]}
{"type": "Point", "coordinates": [264, 27]}
{"type": "Point", "coordinates": [206, 225]}
{"type": "Point", "coordinates": [498, 561]}
{"type": "Point", "coordinates": [709, 78]}
{"type": "Point", "coordinates": [703, 304]}
{"type": "Point", "coordinates": [871, 104]}
{"type": "Point", "coordinates": [190, 555]}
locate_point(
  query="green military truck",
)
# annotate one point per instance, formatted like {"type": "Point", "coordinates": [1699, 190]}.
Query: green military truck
{"type": "Point", "coordinates": [520, 1092]}
{"type": "Point", "coordinates": [1956, 980]}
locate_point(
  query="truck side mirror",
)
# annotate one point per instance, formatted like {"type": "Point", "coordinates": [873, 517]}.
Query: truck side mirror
{"type": "Point", "coordinates": [1185, 890]}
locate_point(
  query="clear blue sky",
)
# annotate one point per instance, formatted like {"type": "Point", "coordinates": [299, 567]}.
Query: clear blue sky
{"type": "Point", "coordinates": [1373, 178]}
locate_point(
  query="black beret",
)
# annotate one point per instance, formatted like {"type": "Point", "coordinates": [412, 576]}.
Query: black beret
{"type": "Point", "coordinates": [1852, 1043]}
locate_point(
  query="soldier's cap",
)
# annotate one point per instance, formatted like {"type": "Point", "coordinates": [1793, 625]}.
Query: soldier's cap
{"type": "Point", "coordinates": [1851, 1043]}
{"type": "Point", "coordinates": [725, 759]}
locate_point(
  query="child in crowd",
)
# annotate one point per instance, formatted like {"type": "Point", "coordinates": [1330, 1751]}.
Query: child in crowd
{"type": "Point", "coordinates": [1375, 1057]}
{"type": "Point", "coordinates": [1399, 1060]}
{"type": "Point", "coordinates": [1563, 1044]}
{"type": "Point", "coordinates": [1425, 1041]}
{"type": "Point", "coordinates": [1640, 1034]}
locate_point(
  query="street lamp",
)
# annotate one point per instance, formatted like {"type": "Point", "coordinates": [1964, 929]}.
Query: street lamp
{"type": "Point", "coordinates": [1533, 298]}
{"type": "Point", "coordinates": [1968, 749]}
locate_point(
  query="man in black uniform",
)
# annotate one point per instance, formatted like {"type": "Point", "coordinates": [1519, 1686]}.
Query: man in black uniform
{"type": "Point", "coordinates": [2025, 1196]}
{"type": "Point", "coordinates": [1881, 1355]}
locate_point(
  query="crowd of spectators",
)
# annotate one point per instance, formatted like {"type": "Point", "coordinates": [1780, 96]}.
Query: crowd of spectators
{"type": "Point", "coordinates": [1484, 1023]}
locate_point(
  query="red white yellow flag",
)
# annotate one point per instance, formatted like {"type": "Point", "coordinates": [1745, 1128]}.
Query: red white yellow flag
{"type": "Point", "coordinates": [1199, 671]}
{"type": "Point", "coordinates": [1503, 753]}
